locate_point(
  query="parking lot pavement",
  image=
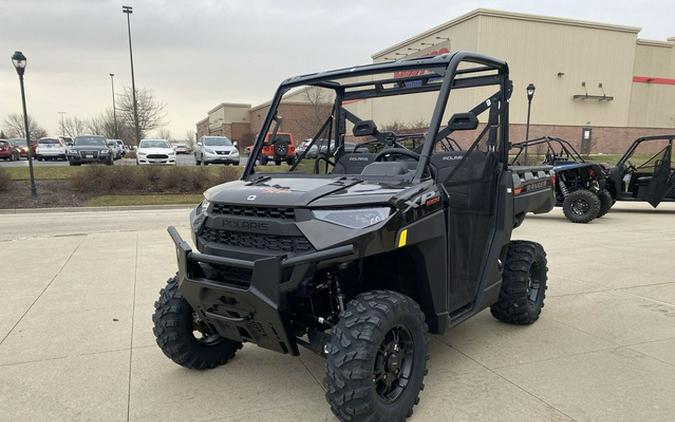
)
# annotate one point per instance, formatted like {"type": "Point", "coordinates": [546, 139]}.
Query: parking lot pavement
{"type": "Point", "coordinates": [77, 344]}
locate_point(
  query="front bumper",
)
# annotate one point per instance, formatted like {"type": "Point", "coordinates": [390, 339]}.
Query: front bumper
{"type": "Point", "coordinates": [77, 159]}
{"type": "Point", "coordinates": [221, 159]}
{"type": "Point", "coordinates": [255, 312]}
{"type": "Point", "coordinates": [171, 161]}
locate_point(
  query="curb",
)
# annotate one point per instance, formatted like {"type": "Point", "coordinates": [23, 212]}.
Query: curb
{"type": "Point", "coordinates": [95, 209]}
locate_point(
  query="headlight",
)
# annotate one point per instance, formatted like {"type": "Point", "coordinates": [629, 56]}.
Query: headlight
{"type": "Point", "coordinates": [104, 151]}
{"type": "Point", "coordinates": [353, 218]}
{"type": "Point", "coordinates": [141, 153]}
{"type": "Point", "coordinates": [234, 152]}
{"type": "Point", "coordinates": [209, 151]}
{"type": "Point", "coordinates": [204, 205]}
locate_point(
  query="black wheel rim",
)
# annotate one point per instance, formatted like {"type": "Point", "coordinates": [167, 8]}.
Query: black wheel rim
{"type": "Point", "coordinates": [203, 333]}
{"type": "Point", "coordinates": [393, 364]}
{"type": "Point", "coordinates": [580, 207]}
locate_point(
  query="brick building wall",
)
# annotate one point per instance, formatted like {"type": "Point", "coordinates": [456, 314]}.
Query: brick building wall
{"type": "Point", "coordinates": [300, 119]}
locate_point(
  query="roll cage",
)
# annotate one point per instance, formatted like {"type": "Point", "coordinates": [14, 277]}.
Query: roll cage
{"type": "Point", "coordinates": [480, 71]}
{"type": "Point", "coordinates": [565, 149]}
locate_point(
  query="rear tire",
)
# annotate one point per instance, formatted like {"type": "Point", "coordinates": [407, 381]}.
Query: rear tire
{"type": "Point", "coordinates": [376, 359]}
{"type": "Point", "coordinates": [175, 327]}
{"type": "Point", "coordinates": [606, 202]}
{"type": "Point", "coordinates": [581, 206]}
{"type": "Point", "coordinates": [523, 284]}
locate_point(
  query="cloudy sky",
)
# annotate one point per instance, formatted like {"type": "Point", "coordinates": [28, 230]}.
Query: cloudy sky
{"type": "Point", "coordinates": [196, 54]}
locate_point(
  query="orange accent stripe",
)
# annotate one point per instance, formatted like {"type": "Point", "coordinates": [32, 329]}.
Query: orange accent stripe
{"type": "Point", "coordinates": [650, 80]}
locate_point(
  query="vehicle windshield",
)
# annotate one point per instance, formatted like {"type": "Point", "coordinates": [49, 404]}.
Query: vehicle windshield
{"type": "Point", "coordinates": [376, 123]}
{"type": "Point", "coordinates": [49, 142]}
{"type": "Point", "coordinates": [217, 141]}
{"type": "Point", "coordinates": [18, 142]}
{"type": "Point", "coordinates": [154, 143]}
{"type": "Point", "coordinates": [90, 141]}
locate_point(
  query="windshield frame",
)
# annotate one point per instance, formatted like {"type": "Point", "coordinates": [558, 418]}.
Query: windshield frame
{"type": "Point", "coordinates": [226, 142]}
{"type": "Point", "coordinates": [104, 143]}
{"type": "Point", "coordinates": [166, 143]}
{"type": "Point", "coordinates": [453, 78]}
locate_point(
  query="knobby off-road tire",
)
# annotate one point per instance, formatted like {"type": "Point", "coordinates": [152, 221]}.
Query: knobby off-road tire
{"type": "Point", "coordinates": [175, 328]}
{"type": "Point", "coordinates": [376, 360]}
{"type": "Point", "coordinates": [606, 202]}
{"type": "Point", "coordinates": [581, 206]}
{"type": "Point", "coordinates": [523, 284]}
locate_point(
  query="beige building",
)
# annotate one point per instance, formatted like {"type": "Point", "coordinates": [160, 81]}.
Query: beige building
{"type": "Point", "coordinates": [586, 74]}
{"type": "Point", "coordinates": [592, 77]}
{"type": "Point", "coordinates": [227, 119]}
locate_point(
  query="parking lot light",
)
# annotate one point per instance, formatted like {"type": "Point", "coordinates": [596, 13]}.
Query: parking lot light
{"type": "Point", "coordinates": [19, 62]}
{"type": "Point", "coordinates": [530, 94]}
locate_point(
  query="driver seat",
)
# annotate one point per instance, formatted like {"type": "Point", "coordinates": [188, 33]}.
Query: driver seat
{"type": "Point", "coordinates": [353, 163]}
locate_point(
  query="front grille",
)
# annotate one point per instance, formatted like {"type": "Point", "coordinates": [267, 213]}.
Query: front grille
{"type": "Point", "coordinates": [92, 153]}
{"type": "Point", "coordinates": [222, 152]}
{"type": "Point", "coordinates": [157, 156]}
{"type": "Point", "coordinates": [267, 242]}
{"type": "Point", "coordinates": [234, 275]}
{"type": "Point", "coordinates": [258, 212]}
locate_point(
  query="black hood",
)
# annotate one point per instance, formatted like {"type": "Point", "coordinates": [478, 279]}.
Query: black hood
{"type": "Point", "coordinates": [285, 191]}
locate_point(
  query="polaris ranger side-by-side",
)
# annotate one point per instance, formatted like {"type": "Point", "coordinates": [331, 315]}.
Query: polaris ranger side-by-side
{"type": "Point", "coordinates": [580, 185]}
{"type": "Point", "coordinates": [358, 255]}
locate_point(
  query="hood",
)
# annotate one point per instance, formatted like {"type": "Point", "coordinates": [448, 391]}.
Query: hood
{"type": "Point", "coordinates": [88, 147]}
{"type": "Point", "coordinates": [155, 150]}
{"type": "Point", "coordinates": [220, 148]}
{"type": "Point", "coordinates": [306, 191]}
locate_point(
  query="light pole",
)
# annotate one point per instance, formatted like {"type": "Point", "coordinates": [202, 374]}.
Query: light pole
{"type": "Point", "coordinates": [19, 61]}
{"type": "Point", "coordinates": [530, 95]}
{"type": "Point", "coordinates": [129, 10]}
{"type": "Point", "coordinates": [112, 83]}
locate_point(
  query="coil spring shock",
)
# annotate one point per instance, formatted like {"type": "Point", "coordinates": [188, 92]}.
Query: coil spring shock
{"type": "Point", "coordinates": [563, 188]}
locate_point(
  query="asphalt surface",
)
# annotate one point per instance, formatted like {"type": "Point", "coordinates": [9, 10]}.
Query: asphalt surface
{"type": "Point", "coordinates": [76, 338]}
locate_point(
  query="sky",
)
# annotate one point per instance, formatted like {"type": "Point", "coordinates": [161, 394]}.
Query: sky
{"type": "Point", "coordinates": [196, 54]}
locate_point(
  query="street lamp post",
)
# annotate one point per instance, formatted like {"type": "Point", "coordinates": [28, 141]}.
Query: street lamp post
{"type": "Point", "coordinates": [63, 123]}
{"type": "Point", "coordinates": [112, 83]}
{"type": "Point", "coordinates": [530, 95]}
{"type": "Point", "coordinates": [19, 61]}
{"type": "Point", "coordinates": [129, 10]}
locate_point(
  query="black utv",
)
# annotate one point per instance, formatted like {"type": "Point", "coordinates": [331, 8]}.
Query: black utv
{"type": "Point", "coordinates": [580, 185]}
{"type": "Point", "coordinates": [358, 255]}
{"type": "Point", "coordinates": [645, 172]}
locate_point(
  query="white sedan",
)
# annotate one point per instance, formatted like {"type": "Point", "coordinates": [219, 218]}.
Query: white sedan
{"type": "Point", "coordinates": [155, 151]}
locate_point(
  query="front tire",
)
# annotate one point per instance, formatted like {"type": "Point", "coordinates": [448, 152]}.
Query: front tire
{"type": "Point", "coordinates": [376, 359]}
{"type": "Point", "coordinates": [581, 206]}
{"type": "Point", "coordinates": [183, 337]}
{"type": "Point", "coordinates": [523, 284]}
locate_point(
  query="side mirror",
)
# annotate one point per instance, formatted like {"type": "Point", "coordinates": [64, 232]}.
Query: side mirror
{"type": "Point", "coordinates": [235, 143]}
{"type": "Point", "coordinates": [463, 121]}
{"type": "Point", "coordinates": [199, 144]}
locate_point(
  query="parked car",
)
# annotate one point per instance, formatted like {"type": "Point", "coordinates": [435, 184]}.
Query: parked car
{"type": "Point", "coordinates": [122, 147]}
{"type": "Point", "coordinates": [155, 151]}
{"type": "Point", "coordinates": [115, 148]}
{"type": "Point", "coordinates": [50, 149]}
{"type": "Point", "coordinates": [216, 150]}
{"type": "Point", "coordinates": [7, 151]}
{"type": "Point", "coordinates": [90, 149]}
{"type": "Point", "coordinates": [67, 141]}
{"type": "Point", "coordinates": [281, 148]}
{"type": "Point", "coordinates": [20, 146]}
{"type": "Point", "coordinates": [182, 149]}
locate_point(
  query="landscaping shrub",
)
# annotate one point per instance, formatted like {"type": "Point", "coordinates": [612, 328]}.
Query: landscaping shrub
{"type": "Point", "coordinates": [131, 179]}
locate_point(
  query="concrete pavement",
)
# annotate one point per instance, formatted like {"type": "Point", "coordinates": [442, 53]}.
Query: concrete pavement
{"type": "Point", "coordinates": [77, 344]}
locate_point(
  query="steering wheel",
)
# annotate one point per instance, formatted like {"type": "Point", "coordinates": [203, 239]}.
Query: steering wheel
{"type": "Point", "coordinates": [630, 167]}
{"type": "Point", "coordinates": [322, 157]}
{"type": "Point", "coordinates": [405, 152]}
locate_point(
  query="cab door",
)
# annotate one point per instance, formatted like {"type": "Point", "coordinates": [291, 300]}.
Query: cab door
{"type": "Point", "coordinates": [662, 178]}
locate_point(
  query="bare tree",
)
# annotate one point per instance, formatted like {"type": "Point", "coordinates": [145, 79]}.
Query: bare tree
{"type": "Point", "coordinates": [190, 137]}
{"type": "Point", "coordinates": [74, 126]}
{"type": "Point", "coordinates": [164, 133]}
{"type": "Point", "coordinates": [151, 114]}
{"type": "Point", "coordinates": [317, 107]}
{"type": "Point", "coordinates": [104, 124]}
{"type": "Point", "coordinates": [15, 127]}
